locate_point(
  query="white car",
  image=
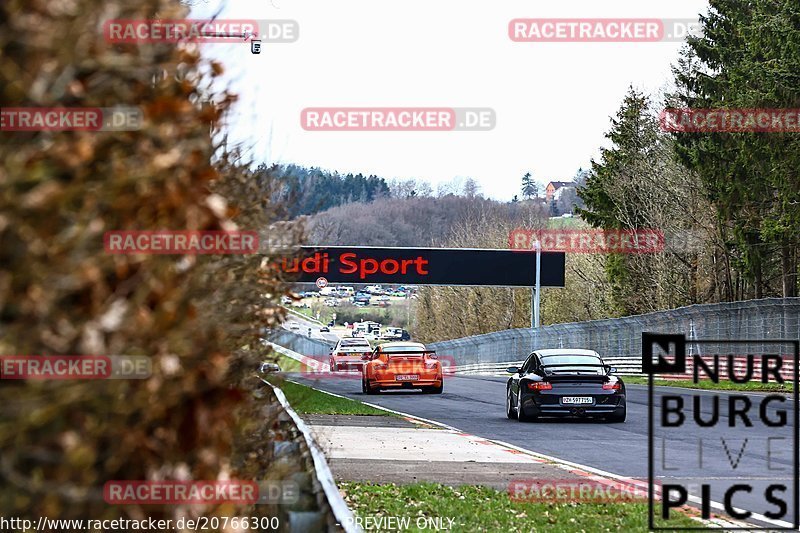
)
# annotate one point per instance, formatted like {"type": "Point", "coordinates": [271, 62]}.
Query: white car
{"type": "Point", "coordinates": [348, 352]}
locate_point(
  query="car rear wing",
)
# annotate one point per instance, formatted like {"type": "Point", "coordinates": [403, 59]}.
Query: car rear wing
{"type": "Point", "coordinates": [411, 352]}
{"type": "Point", "coordinates": [605, 367]}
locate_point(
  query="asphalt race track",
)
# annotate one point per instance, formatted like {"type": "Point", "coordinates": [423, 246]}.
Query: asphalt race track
{"type": "Point", "coordinates": [476, 405]}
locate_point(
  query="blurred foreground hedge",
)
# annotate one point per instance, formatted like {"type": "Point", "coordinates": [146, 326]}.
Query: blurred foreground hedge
{"type": "Point", "coordinates": [197, 317]}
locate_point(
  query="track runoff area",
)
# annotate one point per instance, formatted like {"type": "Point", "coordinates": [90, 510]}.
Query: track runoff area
{"type": "Point", "coordinates": [730, 454]}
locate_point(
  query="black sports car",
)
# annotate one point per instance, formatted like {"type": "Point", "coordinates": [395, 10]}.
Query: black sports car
{"type": "Point", "coordinates": [564, 382]}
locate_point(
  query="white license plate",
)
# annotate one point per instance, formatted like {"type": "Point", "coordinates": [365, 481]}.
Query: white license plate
{"type": "Point", "coordinates": [407, 377]}
{"type": "Point", "coordinates": [576, 399]}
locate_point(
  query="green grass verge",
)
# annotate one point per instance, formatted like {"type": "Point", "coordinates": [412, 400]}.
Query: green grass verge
{"type": "Point", "coordinates": [710, 385]}
{"type": "Point", "coordinates": [288, 364]}
{"type": "Point", "coordinates": [305, 311]}
{"type": "Point", "coordinates": [567, 223]}
{"type": "Point", "coordinates": [476, 508]}
{"type": "Point", "coordinates": [306, 400]}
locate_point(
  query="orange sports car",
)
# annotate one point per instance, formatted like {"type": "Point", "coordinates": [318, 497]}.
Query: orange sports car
{"type": "Point", "coordinates": [402, 365]}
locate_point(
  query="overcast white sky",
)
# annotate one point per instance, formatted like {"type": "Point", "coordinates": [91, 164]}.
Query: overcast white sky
{"type": "Point", "coordinates": [552, 100]}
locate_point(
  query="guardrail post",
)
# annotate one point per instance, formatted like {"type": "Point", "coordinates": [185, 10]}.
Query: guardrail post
{"type": "Point", "coordinates": [536, 291]}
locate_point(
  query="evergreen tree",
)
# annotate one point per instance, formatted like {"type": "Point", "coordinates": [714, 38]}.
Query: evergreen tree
{"type": "Point", "coordinates": [529, 186]}
{"type": "Point", "coordinates": [748, 57]}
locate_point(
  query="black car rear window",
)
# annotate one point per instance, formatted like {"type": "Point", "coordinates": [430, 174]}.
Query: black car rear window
{"type": "Point", "coordinates": [571, 360]}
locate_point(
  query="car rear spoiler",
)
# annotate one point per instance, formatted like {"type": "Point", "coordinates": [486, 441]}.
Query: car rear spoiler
{"type": "Point", "coordinates": [411, 352]}
{"type": "Point", "coordinates": [607, 368]}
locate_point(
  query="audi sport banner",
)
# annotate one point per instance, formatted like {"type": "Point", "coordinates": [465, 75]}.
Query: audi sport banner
{"type": "Point", "coordinates": [425, 266]}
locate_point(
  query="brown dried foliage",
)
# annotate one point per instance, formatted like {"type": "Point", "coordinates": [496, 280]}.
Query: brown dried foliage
{"type": "Point", "coordinates": [196, 317]}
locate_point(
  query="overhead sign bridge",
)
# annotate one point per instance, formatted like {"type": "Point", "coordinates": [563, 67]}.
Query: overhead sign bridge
{"type": "Point", "coordinates": [426, 266]}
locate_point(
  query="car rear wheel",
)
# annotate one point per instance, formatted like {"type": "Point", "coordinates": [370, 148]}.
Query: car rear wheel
{"type": "Point", "coordinates": [618, 417]}
{"type": "Point", "coordinates": [433, 390]}
{"type": "Point", "coordinates": [332, 365]}
{"type": "Point", "coordinates": [510, 413]}
{"type": "Point", "coordinates": [368, 389]}
{"type": "Point", "coordinates": [521, 416]}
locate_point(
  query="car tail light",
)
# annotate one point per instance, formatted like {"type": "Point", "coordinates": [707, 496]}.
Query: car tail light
{"type": "Point", "coordinates": [611, 386]}
{"type": "Point", "coordinates": [539, 385]}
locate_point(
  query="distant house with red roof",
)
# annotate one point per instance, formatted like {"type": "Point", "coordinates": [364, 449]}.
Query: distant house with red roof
{"type": "Point", "coordinates": [552, 191]}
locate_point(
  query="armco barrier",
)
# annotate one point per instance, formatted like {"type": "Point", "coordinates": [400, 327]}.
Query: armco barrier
{"type": "Point", "coordinates": [619, 340]}
{"type": "Point", "coordinates": [324, 508]}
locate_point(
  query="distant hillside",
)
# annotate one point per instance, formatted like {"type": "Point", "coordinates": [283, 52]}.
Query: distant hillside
{"type": "Point", "coordinates": [413, 221]}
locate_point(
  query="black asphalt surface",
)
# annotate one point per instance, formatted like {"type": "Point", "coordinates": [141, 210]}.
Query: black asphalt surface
{"type": "Point", "coordinates": [476, 405]}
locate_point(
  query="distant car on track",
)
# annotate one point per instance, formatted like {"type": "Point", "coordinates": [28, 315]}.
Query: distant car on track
{"type": "Point", "coordinates": [402, 365]}
{"type": "Point", "coordinates": [268, 368]}
{"type": "Point", "coordinates": [395, 334]}
{"type": "Point", "coordinates": [347, 354]}
{"type": "Point", "coordinates": [565, 382]}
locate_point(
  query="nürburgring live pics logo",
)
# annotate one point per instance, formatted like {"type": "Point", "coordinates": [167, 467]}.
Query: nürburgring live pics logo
{"type": "Point", "coordinates": [731, 453]}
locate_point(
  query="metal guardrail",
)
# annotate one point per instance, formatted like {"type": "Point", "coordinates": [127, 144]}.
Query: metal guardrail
{"type": "Point", "coordinates": [334, 510]}
{"type": "Point", "coordinates": [621, 338]}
